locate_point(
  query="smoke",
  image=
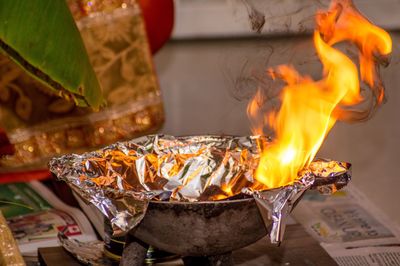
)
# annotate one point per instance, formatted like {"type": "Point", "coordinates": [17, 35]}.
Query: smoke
{"type": "Point", "coordinates": [256, 18]}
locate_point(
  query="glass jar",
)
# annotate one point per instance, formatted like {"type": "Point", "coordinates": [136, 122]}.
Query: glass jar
{"type": "Point", "coordinates": [41, 125]}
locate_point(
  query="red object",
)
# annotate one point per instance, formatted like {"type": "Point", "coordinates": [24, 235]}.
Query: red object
{"type": "Point", "coordinates": [25, 176]}
{"type": "Point", "coordinates": [159, 19]}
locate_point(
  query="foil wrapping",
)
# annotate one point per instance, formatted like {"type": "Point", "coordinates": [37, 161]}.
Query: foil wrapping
{"type": "Point", "coordinates": [88, 253]}
{"type": "Point", "coordinates": [122, 178]}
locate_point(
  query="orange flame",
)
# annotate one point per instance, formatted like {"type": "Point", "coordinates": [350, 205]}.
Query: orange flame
{"type": "Point", "coordinates": [310, 108]}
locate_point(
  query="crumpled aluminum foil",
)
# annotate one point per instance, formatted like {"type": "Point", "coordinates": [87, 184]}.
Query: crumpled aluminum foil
{"type": "Point", "coordinates": [122, 178]}
{"type": "Point", "coordinates": [88, 253]}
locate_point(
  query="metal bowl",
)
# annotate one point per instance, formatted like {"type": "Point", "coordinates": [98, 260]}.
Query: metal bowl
{"type": "Point", "coordinates": [201, 228]}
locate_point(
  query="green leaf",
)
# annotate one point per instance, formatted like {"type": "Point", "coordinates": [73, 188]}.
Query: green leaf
{"type": "Point", "coordinates": [41, 36]}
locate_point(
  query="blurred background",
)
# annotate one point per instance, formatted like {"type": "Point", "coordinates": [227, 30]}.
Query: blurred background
{"type": "Point", "coordinates": [215, 60]}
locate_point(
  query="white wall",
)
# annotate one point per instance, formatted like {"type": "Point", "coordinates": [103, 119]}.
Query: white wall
{"type": "Point", "coordinates": [205, 18]}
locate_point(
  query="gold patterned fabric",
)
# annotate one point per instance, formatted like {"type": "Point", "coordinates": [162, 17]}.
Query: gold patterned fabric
{"type": "Point", "coordinates": [41, 125]}
{"type": "Point", "coordinates": [9, 252]}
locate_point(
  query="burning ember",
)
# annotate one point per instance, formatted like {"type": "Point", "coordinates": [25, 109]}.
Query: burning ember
{"type": "Point", "coordinates": [309, 108]}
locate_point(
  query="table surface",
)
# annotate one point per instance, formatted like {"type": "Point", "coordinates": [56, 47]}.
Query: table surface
{"type": "Point", "coordinates": [298, 248]}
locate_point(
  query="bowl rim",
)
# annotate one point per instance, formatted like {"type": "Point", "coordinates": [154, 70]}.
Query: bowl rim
{"type": "Point", "coordinates": [213, 202]}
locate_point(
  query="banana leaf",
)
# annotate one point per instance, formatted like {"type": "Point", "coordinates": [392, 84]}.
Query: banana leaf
{"type": "Point", "coordinates": [42, 37]}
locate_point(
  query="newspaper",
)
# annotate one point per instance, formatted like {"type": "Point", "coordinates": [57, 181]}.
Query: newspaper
{"type": "Point", "coordinates": [35, 216]}
{"type": "Point", "coordinates": [350, 228]}
{"type": "Point", "coordinates": [93, 214]}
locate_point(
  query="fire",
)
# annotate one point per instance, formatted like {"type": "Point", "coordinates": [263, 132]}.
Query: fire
{"type": "Point", "coordinates": [310, 108]}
